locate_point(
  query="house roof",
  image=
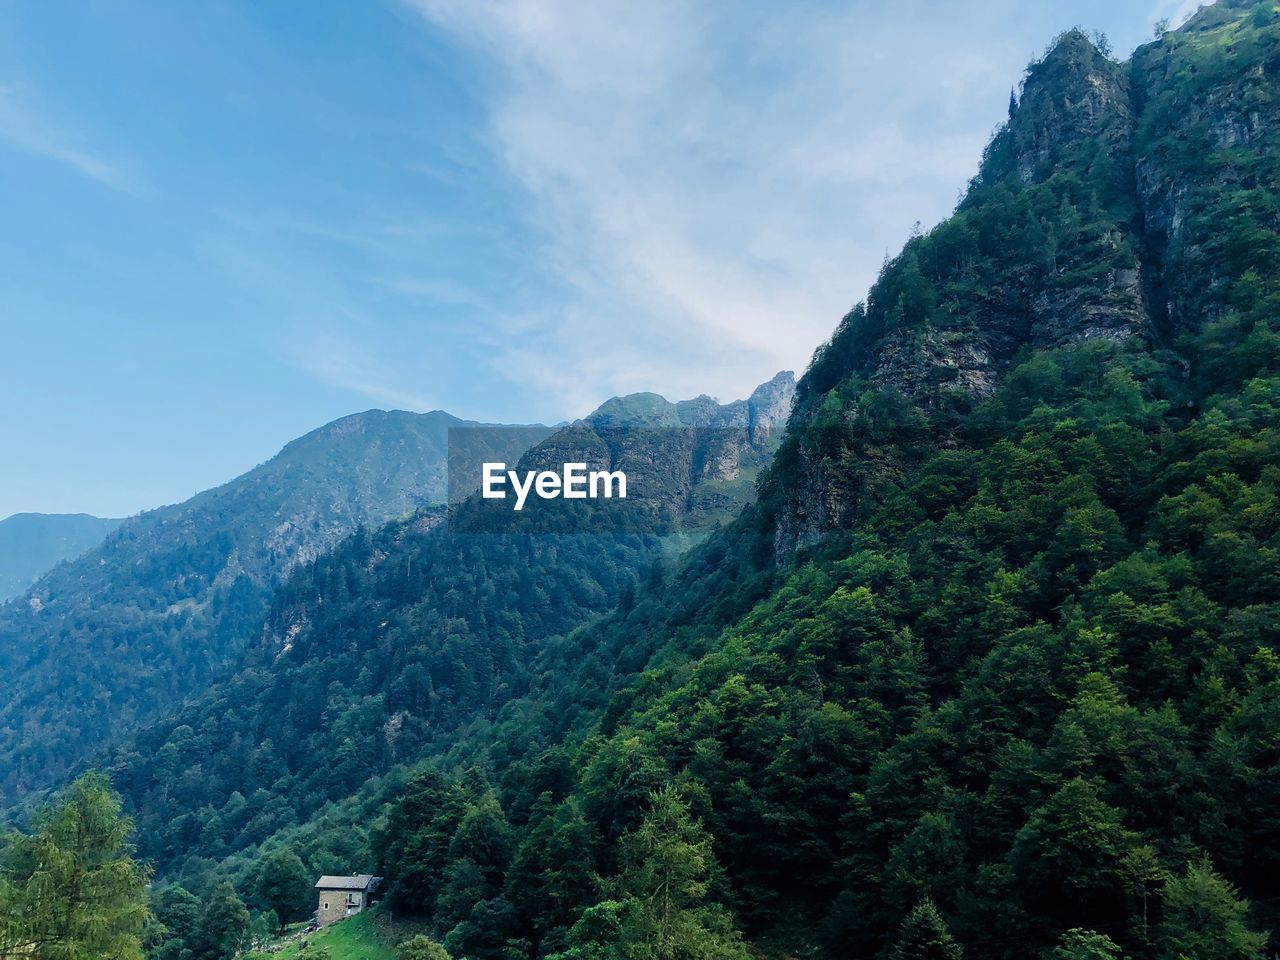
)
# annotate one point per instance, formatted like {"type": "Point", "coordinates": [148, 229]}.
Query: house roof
{"type": "Point", "coordinates": [357, 881]}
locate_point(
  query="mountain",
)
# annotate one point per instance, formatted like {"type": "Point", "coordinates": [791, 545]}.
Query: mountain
{"type": "Point", "coordinates": [33, 543]}
{"type": "Point", "coordinates": [173, 596]}
{"type": "Point", "coordinates": [989, 666]}
{"type": "Point", "coordinates": [383, 650]}
{"type": "Point", "coordinates": [991, 662]}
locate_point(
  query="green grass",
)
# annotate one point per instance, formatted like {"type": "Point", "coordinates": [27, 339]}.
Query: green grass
{"type": "Point", "coordinates": [355, 938]}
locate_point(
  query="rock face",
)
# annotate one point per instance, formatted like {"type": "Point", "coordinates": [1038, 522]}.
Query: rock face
{"type": "Point", "coordinates": [769, 406]}
{"type": "Point", "coordinates": [1223, 110]}
{"type": "Point", "coordinates": [690, 464]}
{"type": "Point", "coordinates": [1097, 214]}
{"type": "Point", "coordinates": [1074, 101]}
{"type": "Point", "coordinates": [1078, 281]}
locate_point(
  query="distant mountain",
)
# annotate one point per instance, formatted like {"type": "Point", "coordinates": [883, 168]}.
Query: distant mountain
{"type": "Point", "coordinates": [172, 596]}
{"type": "Point", "coordinates": [388, 646]}
{"type": "Point", "coordinates": [32, 543]}
{"type": "Point", "coordinates": [990, 667]}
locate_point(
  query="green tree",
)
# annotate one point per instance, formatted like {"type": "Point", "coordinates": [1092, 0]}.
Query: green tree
{"type": "Point", "coordinates": [667, 874]}
{"type": "Point", "coordinates": [284, 885]}
{"type": "Point", "coordinates": [663, 910]}
{"type": "Point", "coordinates": [600, 932]}
{"type": "Point", "coordinates": [1077, 944]}
{"type": "Point", "coordinates": [1067, 858]}
{"type": "Point", "coordinates": [925, 936]}
{"type": "Point", "coordinates": [1204, 918]}
{"type": "Point", "coordinates": [177, 911]}
{"type": "Point", "coordinates": [421, 947]}
{"type": "Point", "coordinates": [1143, 876]}
{"type": "Point", "coordinates": [71, 889]}
{"type": "Point", "coordinates": [223, 923]}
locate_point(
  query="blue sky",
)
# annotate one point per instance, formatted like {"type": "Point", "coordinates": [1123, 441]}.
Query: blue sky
{"type": "Point", "coordinates": [226, 223]}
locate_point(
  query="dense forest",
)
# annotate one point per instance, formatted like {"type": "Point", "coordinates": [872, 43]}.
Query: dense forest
{"type": "Point", "coordinates": [989, 668]}
{"type": "Point", "coordinates": [384, 649]}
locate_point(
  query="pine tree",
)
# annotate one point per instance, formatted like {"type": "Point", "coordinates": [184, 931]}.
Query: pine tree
{"type": "Point", "coordinates": [925, 936]}
{"type": "Point", "coordinates": [662, 912]}
{"type": "Point", "coordinates": [1204, 918]}
{"type": "Point", "coordinates": [668, 873]}
{"type": "Point", "coordinates": [71, 889]}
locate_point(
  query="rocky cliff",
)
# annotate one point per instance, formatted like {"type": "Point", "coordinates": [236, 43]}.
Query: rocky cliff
{"type": "Point", "coordinates": [1118, 202]}
{"type": "Point", "coordinates": [690, 464]}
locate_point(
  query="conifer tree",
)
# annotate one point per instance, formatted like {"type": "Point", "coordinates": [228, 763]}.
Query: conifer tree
{"type": "Point", "coordinates": [1205, 918]}
{"type": "Point", "coordinates": [71, 889]}
{"type": "Point", "coordinates": [663, 911]}
{"type": "Point", "coordinates": [925, 936]}
{"type": "Point", "coordinates": [669, 866]}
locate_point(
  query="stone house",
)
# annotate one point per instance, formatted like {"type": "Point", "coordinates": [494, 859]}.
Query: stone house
{"type": "Point", "coordinates": [340, 897]}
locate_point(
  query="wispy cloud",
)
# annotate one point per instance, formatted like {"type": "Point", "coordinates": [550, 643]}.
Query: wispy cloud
{"type": "Point", "coordinates": [28, 128]}
{"type": "Point", "coordinates": [718, 182]}
{"type": "Point", "coordinates": [1176, 12]}
{"type": "Point", "coordinates": [344, 364]}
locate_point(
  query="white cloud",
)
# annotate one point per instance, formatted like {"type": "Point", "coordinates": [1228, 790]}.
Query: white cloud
{"type": "Point", "coordinates": [344, 364]}
{"type": "Point", "coordinates": [1177, 12]}
{"type": "Point", "coordinates": [32, 130]}
{"type": "Point", "coordinates": [719, 182]}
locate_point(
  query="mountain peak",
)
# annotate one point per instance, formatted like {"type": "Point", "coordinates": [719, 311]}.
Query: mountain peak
{"type": "Point", "coordinates": [769, 404]}
{"type": "Point", "coordinates": [1073, 99]}
{"type": "Point", "coordinates": [1098, 214]}
{"type": "Point", "coordinates": [191, 582]}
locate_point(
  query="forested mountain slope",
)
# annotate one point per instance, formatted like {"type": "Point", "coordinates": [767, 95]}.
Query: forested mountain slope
{"type": "Point", "coordinates": [378, 652]}
{"type": "Point", "coordinates": [992, 663]}
{"type": "Point", "coordinates": [994, 657]}
{"type": "Point", "coordinates": [175, 594]}
{"type": "Point", "coordinates": [33, 543]}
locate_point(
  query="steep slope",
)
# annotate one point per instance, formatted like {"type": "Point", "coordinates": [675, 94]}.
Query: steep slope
{"type": "Point", "coordinates": [1120, 200]}
{"type": "Point", "coordinates": [993, 658]}
{"type": "Point", "coordinates": [380, 651]}
{"type": "Point", "coordinates": [175, 594]}
{"type": "Point", "coordinates": [33, 543]}
{"type": "Point", "coordinates": [1025, 666]}
{"type": "Point", "coordinates": [999, 633]}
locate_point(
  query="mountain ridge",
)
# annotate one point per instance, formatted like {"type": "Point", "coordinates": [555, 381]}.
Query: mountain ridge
{"type": "Point", "coordinates": [414, 632]}
{"type": "Point", "coordinates": [952, 670]}
{"type": "Point", "coordinates": [33, 543]}
{"type": "Point", "coordinates": [173, 595]}
{"type": "Point", "coordinates": [1076, 228]}
{"type": "Point", "coordinates": [990, 662]}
